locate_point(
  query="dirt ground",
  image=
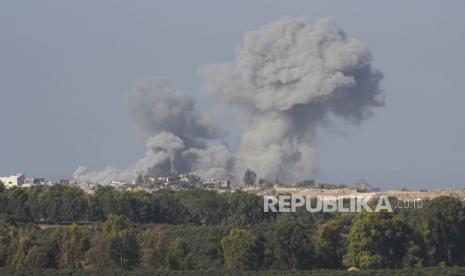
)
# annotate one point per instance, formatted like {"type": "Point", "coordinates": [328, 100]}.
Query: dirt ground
{"type": "Point", "coordinates": [350, 192]}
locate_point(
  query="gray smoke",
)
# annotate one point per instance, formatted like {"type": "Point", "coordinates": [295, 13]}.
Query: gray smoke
{"type": "Point", "coordinates": [156, 106]}
{"type": "Point", "coordinates": [213, 162]}
{"type": "Point", "coordinates": [174, 126]}
{"type": "Point", "coordinates": [289, 79]}
{"type": "Point", "coordinates": [155, 161]}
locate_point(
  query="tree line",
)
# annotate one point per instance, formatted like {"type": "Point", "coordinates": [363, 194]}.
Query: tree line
{"type": "Point", "coordinates": [59, 203]}
{"type": "Point", "coordinates": [198, 229]}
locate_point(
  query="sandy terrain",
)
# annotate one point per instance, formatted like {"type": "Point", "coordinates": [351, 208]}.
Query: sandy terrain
{"type": "Point", "coordinates": [349, 192]}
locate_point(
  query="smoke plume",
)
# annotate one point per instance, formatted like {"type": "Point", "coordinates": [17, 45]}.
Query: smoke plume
{"type": "Point", "coordinates": [174, 126]}
{"type": "Point", "coordinates": [288, 79]}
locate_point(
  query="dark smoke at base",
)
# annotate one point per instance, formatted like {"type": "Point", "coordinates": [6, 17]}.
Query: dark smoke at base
{"type": "Point", "coordinates": [287, 79]}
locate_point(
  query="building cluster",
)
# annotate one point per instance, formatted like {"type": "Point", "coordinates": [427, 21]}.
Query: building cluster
{"type": "Point", "coordinates": [20, 180]}
{"type": "Point", "coordinates": [171, 181]}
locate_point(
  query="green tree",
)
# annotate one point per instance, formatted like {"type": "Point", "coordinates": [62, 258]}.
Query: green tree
{"type": "Point", "coordinates": [330, 244]}
{"type": "Point", "coordinates": [74, 205]}
{"type": "Point", "coordinates": [178, 255]}
{"type": "Point", "coordinates": [289, 245]}
{"type": "Point", "coordinates": [377, 240]}
{"type": "Point", "coordinates": [103, 203]}
{"type": "Point", "coordinates": [153, 245]}
{"type": "Point", "coordinates": [37, 257]}
{"type": "Point", "coordinates": [239, 248]}
{"type": "Point", "coordinates": [62, 203]}
{"type": "Point", "coordinates": [414, 255]}
{"type": "Point", "coordinates": [32, 252]}
{"type": "Point", "coordinates": [121, 236]}
{"type": "Point", "coordinates": [249, 178]}
{"type": "Point", "coordinates": [98, 255]}
{"type": "Point", "coordinates": [17, 204]}
{"type": "Point", "coordinates": [8, 239]}
{"type": "Point", "coordinates": [115, 243]}
{"type": "Point", "coordinates": [73, 245]}
{"type": "Point", "coordinates": [206, 207]}
{"type": "Point", "coordinates": [243, 209]}
{"type": "Point", "coordinates": [443, 228]}
{"type": "Point", "coordinates": [170, 209]}
{"type": "Point", "coordinates": [24, 243]}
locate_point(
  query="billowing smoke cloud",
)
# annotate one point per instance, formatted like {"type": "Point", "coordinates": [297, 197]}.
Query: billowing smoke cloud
{"type": "Point", "coordinates": [156, 106]}
{"type": "Point", "coordinates": [213, 162]}
{"type": "Point", "coordinates": [174, 126]}
{"type": "Point", "coordinates": [288, 79]}
{"type": "Point", "coordinates": [155, 161]}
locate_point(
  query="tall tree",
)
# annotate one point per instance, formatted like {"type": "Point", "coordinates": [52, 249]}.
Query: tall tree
{"type": "Point", "coordinates": [74, 243]}
{"type": "Point", "coordinates": [178, 255]}
{"type": "Point", "coordinates": [289, 245]}
{"type": "Point", "coordinates": [98, 255]}
{"type": "Point", "coordinates": [239, 249]}
{"type": "Point", "coordinates": [443, 226]}
{"type": "Point", "coordinates": [23, 246]}
{"type": "Point", "coordinates": [206, 207]}
{"type": "Point", "coordinates": [8, 239]}
{"type": "Point", "coordinates": [116, 243]}
{"type": "Point", "coordinates": [153, 245]}
{"type": "Point", "coordinates": [330, 244]}
{"type": "Point", "coordinates": [17, 204]}
{"type": "Point", "coordinates": [377, 240]}
{"type": "Point", "coordinates": [249, 178]}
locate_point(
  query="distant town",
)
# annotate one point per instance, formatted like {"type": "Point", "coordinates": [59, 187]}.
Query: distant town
{"type": "Point", "coordinates": [260, 187]}
{"type": "Point", "coordinates": [146, 182]}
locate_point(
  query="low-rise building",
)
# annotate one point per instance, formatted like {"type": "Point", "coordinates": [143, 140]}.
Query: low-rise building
{"type": "Point", "coordinates": [217, 184]}
{"type": "Point", "coordinates": [13, 180]}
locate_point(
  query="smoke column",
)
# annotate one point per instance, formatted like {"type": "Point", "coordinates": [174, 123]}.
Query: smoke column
{"type": "Point", "coordinates": [288, 79]}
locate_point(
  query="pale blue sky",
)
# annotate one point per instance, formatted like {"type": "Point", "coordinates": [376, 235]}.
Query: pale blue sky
{"type": "Point", "coordinates": [65, 67]}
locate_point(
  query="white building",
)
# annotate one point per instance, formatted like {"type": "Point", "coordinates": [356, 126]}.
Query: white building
{"type": "Point", "coordinates": [13, 180]}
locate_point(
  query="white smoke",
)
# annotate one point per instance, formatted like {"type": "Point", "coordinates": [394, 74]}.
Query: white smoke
{"type": "Point", "coordinates": [287, 79]}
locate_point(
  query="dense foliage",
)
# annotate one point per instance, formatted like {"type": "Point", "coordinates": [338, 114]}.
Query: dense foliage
{"type": "Point", "coordinates": [65, 204]}
{"type": "Point", "coordinates": [61, 227]}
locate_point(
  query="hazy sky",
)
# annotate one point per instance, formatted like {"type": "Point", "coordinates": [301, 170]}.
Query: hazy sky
{"type": "Point", "coordinates": [65, 67]}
